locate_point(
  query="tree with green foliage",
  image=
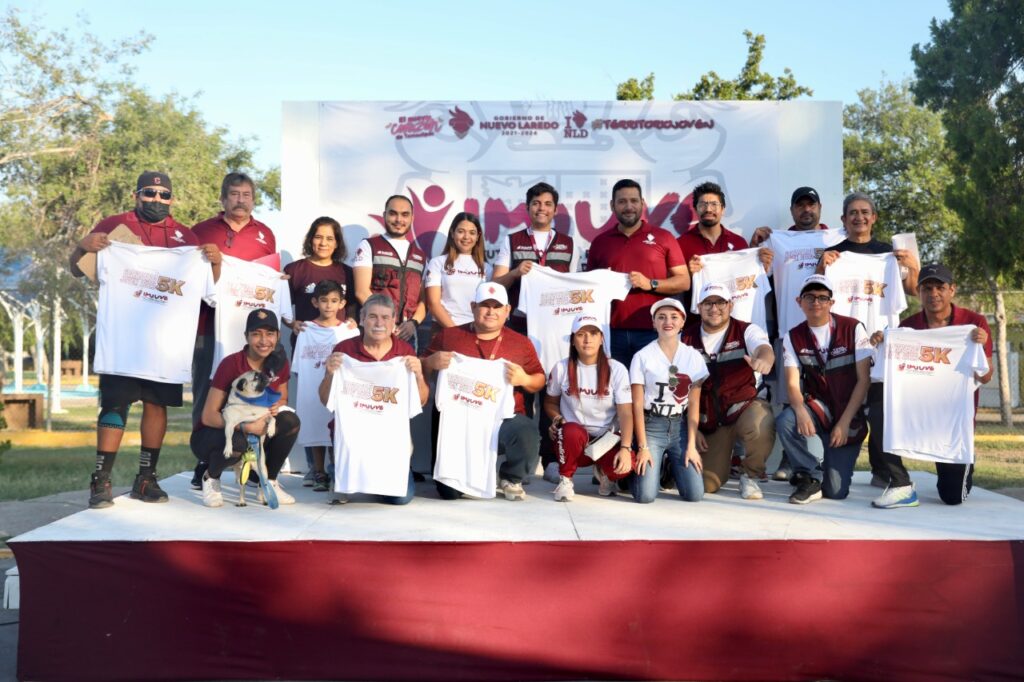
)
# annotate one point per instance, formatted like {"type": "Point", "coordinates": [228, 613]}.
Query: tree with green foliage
{"type": "Point", "coordinates": [55, 88]}
{"type": "Point", "coordinates": [895, 150]}
{"type": "Point", "coordinates": [971, 72]}
{"type": "Point", "coordinates": [750, 84]}
{"type": "Point", "coordinates": [74, 135]}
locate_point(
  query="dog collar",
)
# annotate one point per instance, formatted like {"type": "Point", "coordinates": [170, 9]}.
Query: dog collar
{"type": "Point", "coordinates": [269, 397]}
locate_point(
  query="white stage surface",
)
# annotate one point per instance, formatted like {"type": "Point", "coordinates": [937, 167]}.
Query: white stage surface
{"type": "Point", "coordinates": [722, 516]}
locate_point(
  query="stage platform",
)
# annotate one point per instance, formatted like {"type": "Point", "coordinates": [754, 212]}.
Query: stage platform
{"type": "Point", "coordinates": [489, 589]}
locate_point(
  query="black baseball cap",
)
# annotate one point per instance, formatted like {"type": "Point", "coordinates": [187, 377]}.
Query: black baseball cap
{"type": "Point", "coordinates": [153, 178]}
{"type": "Point", "coordinates": [261, 318]}
{"type": "Point", "coordinates": [802, 192]}
{"type": "Point", "coordinates": [935, 271]}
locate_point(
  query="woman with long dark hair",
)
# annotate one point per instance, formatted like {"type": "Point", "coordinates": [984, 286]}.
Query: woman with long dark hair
{"type": "Point", "coordinates": [453, 276]}
{"type": "Point", "coordinates": [324, 253]}
{"type": "Point", "coordinates": [590, 405]}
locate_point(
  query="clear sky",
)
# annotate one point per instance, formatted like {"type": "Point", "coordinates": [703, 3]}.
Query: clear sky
{"type": "Point", "coordinates": [244, 59]}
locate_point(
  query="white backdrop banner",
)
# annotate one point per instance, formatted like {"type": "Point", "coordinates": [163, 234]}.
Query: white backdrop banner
{"type": "Point", "coordinates": [343, 159]}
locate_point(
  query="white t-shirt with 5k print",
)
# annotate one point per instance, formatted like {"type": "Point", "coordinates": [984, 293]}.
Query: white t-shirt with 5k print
{"type": "Point", "coordinates": [149, 309]}
{"type": "Point", "coordinates": [243, 287]}
{"type": "Point", "coordinates": [474, 398]}
{"type": "Point", "coordinates": [372, 404]}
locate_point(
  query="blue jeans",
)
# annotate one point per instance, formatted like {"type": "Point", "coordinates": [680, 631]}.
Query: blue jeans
{"type": "Point", "coordinates": [328, 460]}
{"type": "Point", "coordinates": [519, 441]}
{"type": "Point", "coordinates": [834, 468]}
{"type": "Point", "coordinates": [667, 436]}
{"type": "Point", "coordinates": [626, 342]}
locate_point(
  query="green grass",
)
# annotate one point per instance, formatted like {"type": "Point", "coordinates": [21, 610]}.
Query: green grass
{"type": "Point", "coordinates": [33, 472]}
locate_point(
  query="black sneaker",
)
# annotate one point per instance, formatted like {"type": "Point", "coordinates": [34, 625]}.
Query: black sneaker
{"type": "Point", "coordinates": [147, 489]}
{"type": "Point", "coordinates": [321, 483]}
{"type": "Point", "coordinates": [100, 495]}
{"type": "Point", "coordinates": [809, 491]}
{"type": "Point", "coordinates": [799, 478]}
{"type": "Point", "coordinates": [197, 475]}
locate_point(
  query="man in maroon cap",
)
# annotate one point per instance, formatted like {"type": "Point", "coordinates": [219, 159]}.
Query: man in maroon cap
{"type": "Point", "coordinates": [152, 223]}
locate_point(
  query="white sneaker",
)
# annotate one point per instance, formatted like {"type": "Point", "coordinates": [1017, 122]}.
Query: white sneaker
{"type": "Point", "coordinates": [212, 496]}
{"type": "Point", "coordinates": [565, 491]}
{"type": "Point", "coordinates": [551, 473]}
{"type": "Point", "coordinates": [308, 479]}
{"type": "Point", "coordinates": [512, 491]}
{"type": "Point", "coordinates": [749, 489]}
{"type": "Point", "coordinates": [894, 498]}
{"type": "Point", "coordinates": [606, 487]}
{"type": "Point", "coordinates": [283, 497]}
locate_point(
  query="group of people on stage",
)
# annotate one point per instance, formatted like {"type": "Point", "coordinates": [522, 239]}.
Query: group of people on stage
{"type": "Point", "coordinates": [649, 364]}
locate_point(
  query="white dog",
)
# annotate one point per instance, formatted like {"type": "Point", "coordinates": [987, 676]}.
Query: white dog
{"type": "Point", "coordinates": [245, 403]}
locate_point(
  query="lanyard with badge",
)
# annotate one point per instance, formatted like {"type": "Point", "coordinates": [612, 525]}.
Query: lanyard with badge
{"type": "Point", "coordinates": [542, 255]}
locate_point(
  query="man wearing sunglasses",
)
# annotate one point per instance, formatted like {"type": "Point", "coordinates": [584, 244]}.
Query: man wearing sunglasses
{"type": "Point", "coordinates": [152, 223]}
{"type": "Point", "coordinates": [733, 351]}
{"type": "Point", "coordinates": [236, 233]}
{"type": "Point", "coordinates": [827, 360]}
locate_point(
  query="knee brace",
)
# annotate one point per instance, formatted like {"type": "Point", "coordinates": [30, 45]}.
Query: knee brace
{"type": "Point", "coordinates": [113, 417]}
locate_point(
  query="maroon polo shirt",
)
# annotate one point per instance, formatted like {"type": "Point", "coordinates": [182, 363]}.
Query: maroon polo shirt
{"type": "Point", "coordinates": [512, 346]}
{"type": "Point", "coordinates": [253, 241]}
{"type": "Point", "coordinates": [168, 232]}
{"type": "Point", "coordinates": [651, 251]}
{"type": "Point", "coordinates": [355, 349]}
{"type": "Point", "coordinates": [959, 316]}
{"type": "Point", "coordinates": [693, 243]}
{"type": "Point", "coordinates": [305, 275]}
{"type": "Point", "coordinates": [794, 228]}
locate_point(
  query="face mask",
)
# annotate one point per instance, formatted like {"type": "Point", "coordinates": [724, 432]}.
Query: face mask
{"type": "Point", "coordinates": [153, 211]}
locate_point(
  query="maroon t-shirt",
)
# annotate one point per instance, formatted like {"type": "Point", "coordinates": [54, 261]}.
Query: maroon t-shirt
{"type": "Point", "coordinates": [234, 366]}
{"type": "Point", "coordinates": [693, 243]}
{"type": "Point", "coordinates": [355, 349]}
{"type": "Point", "coordinates": [305, 275]}
{"type": "Point", "coordinates": [649, 250]}
{"type": "Point", "coordinates": [509, 345]}
{"type": "Point", "coordinates": [168, 232]}
{"type": "Point", "coordinates": [959, 316]}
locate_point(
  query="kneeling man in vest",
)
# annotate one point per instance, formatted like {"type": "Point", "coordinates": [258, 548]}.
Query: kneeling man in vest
{"type": "Point", "coordinates": [729, 407]}
{"type": "Point", "coordinates": [827, 362]}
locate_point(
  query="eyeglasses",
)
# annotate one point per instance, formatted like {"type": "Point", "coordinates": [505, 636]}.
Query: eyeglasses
{"type": "Point", "coordinates": [811, 298]}
{"type": "Point", "coordinates": [673, 380]}
{"type": "Point", "coordinates": [721, 305]}
{"type": "Point", "coordinates": [701, 205]}
{"type": "Point", "coordinates": [164, 194]}
{"type": "Point", "coordinates": [230, 238]}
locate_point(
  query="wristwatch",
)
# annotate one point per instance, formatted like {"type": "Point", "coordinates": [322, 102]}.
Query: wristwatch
{"type": "Point", "coordinates": [654, 285]}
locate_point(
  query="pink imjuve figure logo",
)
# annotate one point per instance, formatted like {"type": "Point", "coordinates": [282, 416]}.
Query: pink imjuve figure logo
{"type": "Point", "coordinates": [460, 122]}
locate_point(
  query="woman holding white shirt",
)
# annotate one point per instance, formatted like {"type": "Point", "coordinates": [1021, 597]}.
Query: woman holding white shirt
{"type": "Point", "coordinates": [666, 376]}
{"type": "Point", "coordinates": [452, 277]}
{"type": "Point", "coordinates": [590, 405]}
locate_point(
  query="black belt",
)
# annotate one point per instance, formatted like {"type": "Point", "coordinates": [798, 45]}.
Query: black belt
{"type": "Point", "coordinates": [670, 417]}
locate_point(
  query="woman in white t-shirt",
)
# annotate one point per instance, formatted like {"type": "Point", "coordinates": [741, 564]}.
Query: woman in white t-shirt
{"type": "Point", "coordinates": [452, 277]}
{"type": "Point", "coordinates": [666, 376]}
{"type": "Point", "coordinates": [590, 405]}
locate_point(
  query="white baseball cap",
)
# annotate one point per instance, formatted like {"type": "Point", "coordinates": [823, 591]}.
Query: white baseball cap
{"type": "Point", "coordinates": [584, 320]}
{"type": "Point", "coordinates": [490, 291]}
{"type": "Point", "coordinates": [713, 289]}
{"type": "Point", "coordinates": [662, 302]}
{"type": "Point", "coordinates": [817, 282]}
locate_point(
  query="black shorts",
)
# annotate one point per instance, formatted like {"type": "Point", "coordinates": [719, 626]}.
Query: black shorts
{"type": "Point", "coordinates": [116, 390]}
